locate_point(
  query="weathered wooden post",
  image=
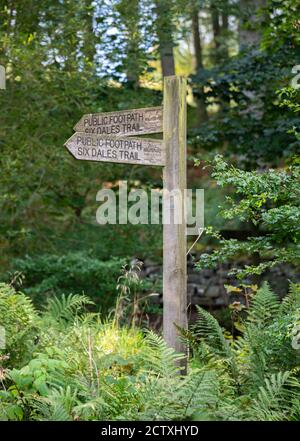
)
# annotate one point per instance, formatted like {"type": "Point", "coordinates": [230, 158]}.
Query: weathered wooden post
{"type": "Point", "coordinates": [109, 137]}
{"type": "Point", "coordinates": [174, 235]}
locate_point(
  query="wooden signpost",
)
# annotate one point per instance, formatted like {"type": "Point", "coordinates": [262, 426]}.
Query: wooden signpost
{"type": "Point", "coordinates": [107, 137]}
{"type": "Point", "coordinates": [116, 149]}
{"type": "Point", "coordinates": [124, 122]}
{"type": "Point", "coordinates": [174, 235]}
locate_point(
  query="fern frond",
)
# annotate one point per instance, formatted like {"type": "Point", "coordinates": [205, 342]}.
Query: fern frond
{"type": "Point", "coordinates": [66, 308]}
{"type": "Point", "coordinates": [58, 406]}
{"type": "Point", "coordinates": [275, 398]}
{"type": "Point", "coordinates": [264, 307]}
{"type": "Point", "coordinates": [200, 394]}
{"type": "Point", "coordinates": [91, 410]}
{"type": "Point", "coordinates": [160, 358]}
{"type": "Point", "coordinates": [291, 301]}
{"type": "Point", "coordinates": [208, 329]}
{"type": "Point", "coordinates": [55, 412]}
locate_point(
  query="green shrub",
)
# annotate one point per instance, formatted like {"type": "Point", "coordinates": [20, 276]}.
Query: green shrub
{"type": "Point", "coordinates": [49, 275]}
{"type": "Point", "coordinates": [20, 322]}
{"type": "Point", "coordinates": [262, 364]}
{"type": "Point", "coordinates": [268, 202]}
{"type": "Point", "coordinates": [85, 369]}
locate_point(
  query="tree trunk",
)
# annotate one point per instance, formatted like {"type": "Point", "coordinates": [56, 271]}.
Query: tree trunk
{"type": "Point", "coordinates": [165, 37]}
{"type": "Point", "coordinates": [224, 22]}
{"type": "Point", "coordinates": [216, 26]}
{"type": "Point", "coordinates": [249, 32]}
{"type": "Point", "coordinates": [225, 29]}
{"type": "Point", "coordinates": [130, 17]}
{"type": "Point", "coordinates": [197, 37]}
{"type": "Point", "coordinates": [5, 19]}
{"type": "Point", "coordinates": [89, 40]}
{"type": "Point", "coordinates": [201, 107]}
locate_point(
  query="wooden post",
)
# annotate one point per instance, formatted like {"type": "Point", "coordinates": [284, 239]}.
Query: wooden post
{"type": "Point", "coordinates": [174, 235]}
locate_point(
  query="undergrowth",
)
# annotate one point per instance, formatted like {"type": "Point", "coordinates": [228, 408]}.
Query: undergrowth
{"type": "Point", "coordinates": [65, 363]}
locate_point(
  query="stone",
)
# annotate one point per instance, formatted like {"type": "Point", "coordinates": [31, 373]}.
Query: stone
{"type": "Point", "coordinates": [153, 270]}
{"type": "Point", "coordinates": [195, 278]}
{"type": "Point", "coordinates": [220, 301]}
{"type": "Point", "coordinates": [192, 289]}
{"type": "Point", "coordinates": [213, 291]}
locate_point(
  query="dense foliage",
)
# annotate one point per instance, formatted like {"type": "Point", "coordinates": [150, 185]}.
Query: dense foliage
{"type": "Point", "coordinates": [83, 368]}
{"type": "Point", "coordinates": [251, 122]}
{"type": "Point", "coordinates": [269, 202]}
{"type": "Point", "coordinates": [50, 275]}
{"type": "Point", "coordinates": [72, 343]}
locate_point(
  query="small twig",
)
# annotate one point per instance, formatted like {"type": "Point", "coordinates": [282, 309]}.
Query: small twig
{"type": "Point", "coordinates": [200, 230]}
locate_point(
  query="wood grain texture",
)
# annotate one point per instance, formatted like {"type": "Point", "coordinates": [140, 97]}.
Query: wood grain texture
{"type": "Point", "coordinates": [140, 151]}
{"type": "Point", "coordinates": [124, 122]}
{"type": "Point", "coordinates": [174, 235]}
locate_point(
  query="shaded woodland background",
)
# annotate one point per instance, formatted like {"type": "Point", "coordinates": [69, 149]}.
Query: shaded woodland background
{"type": "Point", "coordinates": [66, 58]}
{"type": "Point", "coordinates": [75, 342]}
